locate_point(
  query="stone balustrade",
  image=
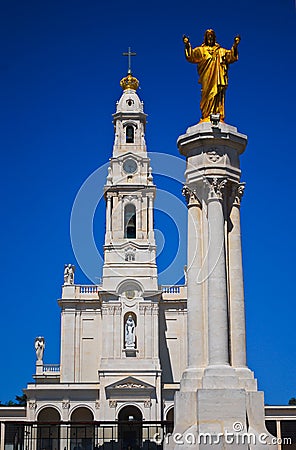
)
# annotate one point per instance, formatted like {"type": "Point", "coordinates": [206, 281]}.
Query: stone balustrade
{"type": "Point", "coordinates": [51, 368]}
{"type": "Point", "coordinates": [90, 292]}
{"type": "Point", "coordinates": [80, 291]}
{"type": "Point", "coordinates": [174, 292]}
{"type": "Point", "coordinates": [91, 289]}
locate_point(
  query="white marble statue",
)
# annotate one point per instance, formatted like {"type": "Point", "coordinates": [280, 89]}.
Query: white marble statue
{"type": "Point", "coordinates": [185, 275]}
{"type": "Point", "coordinates": [130, 332]}
{"type": "Point", "coordinates": [69, 271]}
{"type": "Point", "coordinates": [39, 347]}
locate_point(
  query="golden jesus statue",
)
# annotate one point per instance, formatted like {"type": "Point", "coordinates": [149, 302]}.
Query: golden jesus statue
{"type": "Point", "coordinates": [212, 66]}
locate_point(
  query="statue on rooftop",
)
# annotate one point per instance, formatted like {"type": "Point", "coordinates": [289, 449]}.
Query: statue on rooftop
{"type": "Point", "coordinates": [39, 347]}
{"type": "Point", "coordinates": [69, 271]}
{"type": "Point", "coordinates": [212, 65]}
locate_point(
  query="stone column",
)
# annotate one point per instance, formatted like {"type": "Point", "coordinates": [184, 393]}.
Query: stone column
{"type": "Point", "coordinates": [236, 284]}
{"type": "Point", "coordinates": [139, 218]}
{"type": "Point", "coordinates": [64, 436]}
{"type": "Point", "coordinates": [2, 435]}
{"type": "Point", "coordinates": [217, 285]}
{"type": "Point", "coordinates": [117, 334]}
{"type": "Point", "coordinates": [195, 315]}
{"type": "Point", "coordinates": [150, 216]}
{"type": "Point", "coordinates": [155, 343]}
{"type": "Point", "coordinates": [107, 331]}
{"type": "Point", "coordinates": [148, 331]}
{"type": "Point", "coordinates": [141, 330]}
{"type": "Point", "coordinates": [120, 217]}
{"type": "Point", "coordinates": [225, 394]}
{"type": "Point", "coordinates": [108, 217]}
{"type": "Point", "coordinates": [68, 345]}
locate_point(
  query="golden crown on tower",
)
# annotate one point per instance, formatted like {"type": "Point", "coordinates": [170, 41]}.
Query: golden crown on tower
{"type": "Point", "coordinates": [129, 82]}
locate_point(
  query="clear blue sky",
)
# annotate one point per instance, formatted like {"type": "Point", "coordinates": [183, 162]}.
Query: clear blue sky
{"type": "Point", "coordinates": [60, 66]}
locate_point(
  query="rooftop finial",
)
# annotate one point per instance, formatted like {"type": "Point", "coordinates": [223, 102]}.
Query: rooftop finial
{"type": "Point", "coordinates": [129, 53]}
{"type": "Point", "coordinates": [129, 82]}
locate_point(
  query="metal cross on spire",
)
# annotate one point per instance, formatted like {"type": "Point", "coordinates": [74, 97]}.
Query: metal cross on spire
{"type": "Point", "coordinates": [129, 54]}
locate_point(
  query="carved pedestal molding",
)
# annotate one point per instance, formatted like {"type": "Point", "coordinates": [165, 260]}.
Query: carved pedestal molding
{"type": "Point", "coordinates": [214, 155]}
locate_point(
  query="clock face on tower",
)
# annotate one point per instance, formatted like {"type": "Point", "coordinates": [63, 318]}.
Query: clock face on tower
{"type": "Point", "coordinates": [130, 166]}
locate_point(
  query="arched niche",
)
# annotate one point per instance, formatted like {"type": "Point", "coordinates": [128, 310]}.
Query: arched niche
{"type": "Point", "coordinates": [130, 289]}
{"type": "Point", "coordinates": [130, 334]}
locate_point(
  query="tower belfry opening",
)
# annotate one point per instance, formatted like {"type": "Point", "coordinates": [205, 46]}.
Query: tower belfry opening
{"type": "Point", "coordinates": [129, 132]}
{"type": "Point", "coordinates": [130, 221]}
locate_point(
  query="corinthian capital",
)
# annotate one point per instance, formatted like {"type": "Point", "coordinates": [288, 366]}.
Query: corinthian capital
{"type": "Point", "coordinates": [190, 196]}
{"type": "Point", "coordinates": [216, 187]}
{"type": "Point", "coordinates": [238, 192]}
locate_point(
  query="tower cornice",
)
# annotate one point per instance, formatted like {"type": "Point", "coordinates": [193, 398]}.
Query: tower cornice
{"type": "Point", "coordinates": [125, 115]}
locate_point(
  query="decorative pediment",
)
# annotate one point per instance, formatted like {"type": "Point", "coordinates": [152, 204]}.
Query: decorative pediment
{"type": "Point", "coordinates": [131, 154]}
{"type": "Point", "coordinates": [129, 387]}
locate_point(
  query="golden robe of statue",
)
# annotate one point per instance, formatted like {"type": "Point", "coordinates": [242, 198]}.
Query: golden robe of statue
{"type": "Point", "coordinates": [212, 65]}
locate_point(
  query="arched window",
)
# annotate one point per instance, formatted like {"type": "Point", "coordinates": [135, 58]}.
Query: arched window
{"type": "Point", "coordinates": [130, 221]}
{"type": "Point", "coordinates": [130, 134]}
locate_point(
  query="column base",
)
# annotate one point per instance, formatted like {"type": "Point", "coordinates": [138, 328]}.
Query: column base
{"type": "Point", "coordinates": [191, 379]}
{"type": "Point", "coordinates": [246, 378]}
{"type": "Point", "coordinates": [220, 377]}
{"type": "Point", "coordinates": [219, 418]}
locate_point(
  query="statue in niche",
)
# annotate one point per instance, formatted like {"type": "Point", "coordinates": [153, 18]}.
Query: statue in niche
{"type": "Point", "coordinates": [130, 337]}
{"type": "Point", "coordinates": [39, 347]}
{"type": "Point", "coordinates": [212, 65]}
{"type": "Point", "coordinates": [69, 271]}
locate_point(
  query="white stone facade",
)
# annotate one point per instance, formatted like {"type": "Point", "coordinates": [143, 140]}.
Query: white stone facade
{"type": "Point", "coordinates": [98, 369]}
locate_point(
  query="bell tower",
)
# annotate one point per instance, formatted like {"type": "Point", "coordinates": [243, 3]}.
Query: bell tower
{"type": "Point", "coordinates": [129, 294]}
{"type": "Point", "coordinates": [129, 248]}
